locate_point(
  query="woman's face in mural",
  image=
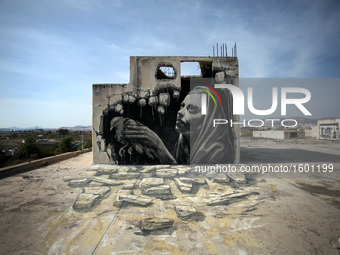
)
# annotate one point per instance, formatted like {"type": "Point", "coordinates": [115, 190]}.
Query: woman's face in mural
{"type": "Point", "coordinates": [189, 114]}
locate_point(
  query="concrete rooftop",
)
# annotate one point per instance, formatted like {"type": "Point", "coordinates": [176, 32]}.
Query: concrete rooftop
{"type": "Point", "coordinates": [285, 215]}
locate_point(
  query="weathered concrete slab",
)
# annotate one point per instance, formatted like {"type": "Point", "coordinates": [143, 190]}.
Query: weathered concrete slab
{"type": "Point", "coordinates": [123, 168]}
{"type": "Point", "coordinates": [128, 186]}
{"type": "Point", "coordinates": [228, 199]}
{"type": "Point", "coordinates": [106, 181]}
{"type": "Point", "coordinates": [158, 190]}
{"type": "Point", "coordinates": [183, 171]}
{"type": "Point", "coordinates": [127, 169]}
{"type": "Point", "coordinates": [124, 175]}
{"type": "Point", "coordinates": [185, 211]}
{"type": "Point", "coordinates": [139, 200]}
{"type": "Point", "coordinates": [74, 177]}
{"type": "Point", "coordinates": [107, 170]}
{"type": "Point", "coordinates": [79, 182]}
{"type": "Point", "coordinates": [120, 195]}
{"type": "Point", "coordinates": [199, 181]}
{"type": "Point", "coordinates": [101, 191]}
{"type": "Point", "coordinates": [162, 166]}
{"type": "Point", "coordinates": [221, 179]}
{"type": "Point", "coordinates": [151, 224]}
{"type": "Point", "coordinates": [239, 178]}
{"type": "Point", "coordinates": [182, 186]}
{"type": "Point", "coordinates": [133, 169]}
{"type": "Point", "coordinates": [148, 169]}
{"type": "Point", "coordinates": [150, 182]}
{"type": "Point", "coordinates": [166, 173]}
{"type": "Point", "coordinates": [85, 201]}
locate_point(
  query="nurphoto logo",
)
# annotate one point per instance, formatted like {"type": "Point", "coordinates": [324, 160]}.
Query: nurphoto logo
{"type": "Point", "coordinates": [238, 104]}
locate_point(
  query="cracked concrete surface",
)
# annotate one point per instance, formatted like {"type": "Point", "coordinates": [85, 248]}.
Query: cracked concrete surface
{"type": "Point", "coordinates": [272, 215]}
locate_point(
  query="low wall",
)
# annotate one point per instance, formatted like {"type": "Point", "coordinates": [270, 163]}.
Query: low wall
{"type": "Point", "coordinates": [27, 166]}
{"type": "Point", "coordinates": [272, 134]}
{"type": "Point", "coordinates": [279, 134]}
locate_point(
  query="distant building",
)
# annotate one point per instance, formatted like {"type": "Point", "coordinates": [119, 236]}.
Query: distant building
{"type": "Point", "coordinates": [328, 129]}
{"type": "Point", "coordinates": [311, 132]}
{"type": "Point", "coordinates": [279, 134]}
{"type": "Point", "coordinates": [47, 142]}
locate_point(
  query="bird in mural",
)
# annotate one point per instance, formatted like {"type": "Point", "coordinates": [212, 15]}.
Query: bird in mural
{"type": "Point", "coordinates": [118, 125]}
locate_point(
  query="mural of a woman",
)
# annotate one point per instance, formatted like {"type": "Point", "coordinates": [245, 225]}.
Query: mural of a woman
{"type": "Point", "coordinates": [199, 141]}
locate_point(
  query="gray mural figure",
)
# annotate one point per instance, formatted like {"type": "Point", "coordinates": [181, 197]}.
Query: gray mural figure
{"type": "Point", "coordinates": [199, 142]}
{"type": "Point", "coordinates": [141, 122]}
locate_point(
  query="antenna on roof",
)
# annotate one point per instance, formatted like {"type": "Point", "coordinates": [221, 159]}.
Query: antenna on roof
{"type": "Point", "coordinates": [235, 50]}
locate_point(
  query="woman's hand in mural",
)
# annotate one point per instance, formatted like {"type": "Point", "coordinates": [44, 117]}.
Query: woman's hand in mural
{"type": "Point", "coordinates": [143, 135]}
{"type": "Point", "coordinates": [147, 137]}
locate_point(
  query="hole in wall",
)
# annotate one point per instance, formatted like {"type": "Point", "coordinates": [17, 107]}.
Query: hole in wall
{"type": "Point", "coordinates": [190, 69]}
{"type": "Point", "coordinates": [165, 72]}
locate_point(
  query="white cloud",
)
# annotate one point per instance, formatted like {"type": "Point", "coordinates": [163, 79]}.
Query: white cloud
{"type": "Point", "coordinates": [113, 46]}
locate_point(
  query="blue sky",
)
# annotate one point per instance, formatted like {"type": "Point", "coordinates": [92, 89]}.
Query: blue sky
{"type": "Point", "coordinates": [51, 52]}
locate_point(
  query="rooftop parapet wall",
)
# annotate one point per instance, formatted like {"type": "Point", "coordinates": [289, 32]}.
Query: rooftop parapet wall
{"type": "Point", "coordinates": [143, 70]}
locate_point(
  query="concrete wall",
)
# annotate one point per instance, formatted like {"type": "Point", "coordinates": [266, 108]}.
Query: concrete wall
{"type": "Point", "coordinates": [143, 69]}
{"type": "Point", "coordinates": [279, 134]}
{"type": "Point", "coordinates": [27, 166]}
{"type": "Point", "coordinates": [105, 97]}
{"type": "Point", "coordinates": [269, 134]}
{"type": "Point", "coordinates": [328, 129]}
{"type": "Point", "coordinates": [112, 100]}
{"type": "Point", "coordinates": [143, 72]}
{"type": "Point", "coordinates": [312, 133]}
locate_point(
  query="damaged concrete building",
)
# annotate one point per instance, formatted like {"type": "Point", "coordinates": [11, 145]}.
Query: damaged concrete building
{"type": "Point", "coordinates": [152, 98]}
{"type": "Point", "coordinates": [328, 129]}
